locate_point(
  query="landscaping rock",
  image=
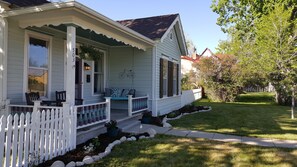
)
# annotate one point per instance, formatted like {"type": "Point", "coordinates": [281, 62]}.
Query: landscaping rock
{"type": "Point", "coordinates": [107, 152]}
{"type": "Point", "coordinates": [102, 155]}
{"type": "Point", "coordinates": [71, 164]}
{"type": "Point", "coordinates": [88, 160]}
{"type": "Point", "coordinates": [111, 145]}
{"type": "Point", "coordinates": [79, 163]}
{"type": "Point", "coordinates": [167, 125]}
{"type": "Point", "coordinates": [96, 157]}
{"type": "Point", "coordinates": [124, 138]}
{"type": "Point", "coordinates": [142, 137]}
{"type": "Point", "coordinates": [108, 148]}
{"type": "Point", "coordinates": [151, 131]}
{"type": "Point", "coordinates": [58, 164]}
{"type": "Point", "coordinates": [117, 142]}
{"type": "Point", "coordinates": [129, 139]}
{"type": "Point", "coordinates": [133, 138]}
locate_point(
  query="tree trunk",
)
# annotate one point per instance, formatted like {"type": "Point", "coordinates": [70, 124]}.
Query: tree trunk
{"type": "Point", "coordinates": [293, 102]}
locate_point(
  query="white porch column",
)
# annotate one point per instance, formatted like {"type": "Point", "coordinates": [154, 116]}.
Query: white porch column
{"type": "Point", "coordinates": [70, 64]}
{"type": "Point", "coordinates": [3, 61]}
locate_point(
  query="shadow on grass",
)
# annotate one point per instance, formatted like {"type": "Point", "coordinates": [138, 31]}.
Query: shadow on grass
{"type": "Point", "coordinates": [244, 119]}
{"type": "Point", "coordinates": [176, 151]}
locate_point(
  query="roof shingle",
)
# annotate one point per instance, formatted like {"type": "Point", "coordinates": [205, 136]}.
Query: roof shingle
{"type": "Point", "coordinates": [151, 27]}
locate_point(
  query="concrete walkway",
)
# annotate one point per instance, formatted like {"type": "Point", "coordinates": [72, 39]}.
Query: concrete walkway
{"type": "Point", "coordinates": [216, 136]}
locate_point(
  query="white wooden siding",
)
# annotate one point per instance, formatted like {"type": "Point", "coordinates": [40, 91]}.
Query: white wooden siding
{"type": "Point", "coordinates": [57, 68]}
{"type": "Point", "coordinates": [171, 49]}
{"type": "Point", "coordinates": [128, 58]}
{"type": "Point", "coordinates": [16, 44]}
{"type": "Point", "coordinates": [15, 62]}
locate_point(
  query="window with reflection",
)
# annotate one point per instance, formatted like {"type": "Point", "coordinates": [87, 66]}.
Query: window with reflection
{"type": "Point", "coordinates": [99, 75]}
{"type": "Point", "coordinates": [38, 57]}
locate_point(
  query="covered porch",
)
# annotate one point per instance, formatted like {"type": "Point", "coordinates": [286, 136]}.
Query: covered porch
{"type": "Point", "coordinates": [53, 35]}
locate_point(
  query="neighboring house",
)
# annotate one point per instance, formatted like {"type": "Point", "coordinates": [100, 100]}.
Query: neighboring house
{"type": "Point", "coordinates": [38, 37]}
{"type": "Point", "coordinates": [187, 63]}
{"type": "Point", "coordinates": [206, 53]}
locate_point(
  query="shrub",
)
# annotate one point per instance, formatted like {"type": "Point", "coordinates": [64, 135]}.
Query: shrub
{"type": "Point", "coordinates": [111, 124]}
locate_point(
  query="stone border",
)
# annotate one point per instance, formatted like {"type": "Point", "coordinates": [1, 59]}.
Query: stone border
{"type": "Point", "coordinates": [91, 159]}
{"type": "Point", "coordinates": [183, 114]}
{"type": "Point", "coordinates": [167, 125]}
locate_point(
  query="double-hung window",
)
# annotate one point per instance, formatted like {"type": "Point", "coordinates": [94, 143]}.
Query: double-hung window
{"type": "Point", "coordinates": [38, 66]}
{"type": "Point", "coordinates": [169, 74]}
{"type": "Point", "coordinates": [99, 75]}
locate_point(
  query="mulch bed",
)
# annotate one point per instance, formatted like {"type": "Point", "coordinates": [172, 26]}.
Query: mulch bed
{"type": "Point", "coordinates": [79, 153]}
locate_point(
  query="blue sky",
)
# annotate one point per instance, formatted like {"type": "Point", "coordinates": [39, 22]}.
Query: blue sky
{"type": "Point", "coordinates": [198, 20]}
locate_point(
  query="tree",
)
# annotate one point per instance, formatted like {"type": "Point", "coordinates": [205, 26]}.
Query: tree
{"type": "Point", "coordinates": [263, 37]}
{"type": "Point", "coordinates": [276, 41]}
{"type": "Point", "coordinates": [219, 76]}
{"type": "Point", "coordinates": [241, 14]}
{"type": "Point", "coordinates": [190, 45]}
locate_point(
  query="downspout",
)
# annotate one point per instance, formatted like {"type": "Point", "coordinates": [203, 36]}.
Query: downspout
{"type": "Point", "coordinates": [154, 84]}
{"type": "Point", "coordinates": [3, 61]}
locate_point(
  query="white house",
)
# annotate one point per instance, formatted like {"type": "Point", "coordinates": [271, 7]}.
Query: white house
{"type": "Point", "coordinates": [187, 63]}
{"type": "Point", "coordinates": [206, 53]}
{"type": "Point", "coordinates": [40, 44]}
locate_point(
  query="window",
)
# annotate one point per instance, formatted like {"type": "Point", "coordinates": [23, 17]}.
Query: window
{"type": "Point", "coordinates": [169, 73]}
{"type": "Point", "coordinates": [171, 35]}
{"type": "Point", "coordinates": [99, 75]}
{"type": "Point", "coordinates": [38, 69]}
{"type": "Point", "coordinates": [165, 77]}
{"type": "Point", "coordinates": [175, 79]}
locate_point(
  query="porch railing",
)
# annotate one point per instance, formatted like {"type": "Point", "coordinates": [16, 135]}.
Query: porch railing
{"type": "Point", "coordinates": [92, 114]}
{"type": "Point", "coordinates": [137, 104]}
{"type": "Point", "coordinates": [19, 109]}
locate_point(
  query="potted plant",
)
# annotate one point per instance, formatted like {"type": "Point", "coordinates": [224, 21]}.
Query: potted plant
{"type": "Point", "coordinates": [146, 117]}
{"type": "Point", "coordinates": [112, 129]}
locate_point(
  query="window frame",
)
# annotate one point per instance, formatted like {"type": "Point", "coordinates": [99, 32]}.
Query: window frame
{"type": "Point", "coordinates": [103, 73]}
{"type": "Point", "coordinates": [167, 72]}
{"type": "Point", "coordinates": [171, 35]}
{"type": "Point", "coordinates": [175, 83]}
{"type": "Point", "coordinates": [174, 80]}
{"type": "Point", "coordinates": [48, 39]}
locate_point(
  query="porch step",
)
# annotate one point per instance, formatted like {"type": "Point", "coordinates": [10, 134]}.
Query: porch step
{"type": "Point", "coordinates": [125, 124]}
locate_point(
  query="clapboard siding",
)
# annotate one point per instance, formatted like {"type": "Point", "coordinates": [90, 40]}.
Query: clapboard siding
{"type": "Point", "coordinates": [169, 48]}
{"type": "Point", "coordinates": [15, 62]}
{"type": "Point", "coordinates": [128, 58]}
{"type": "Point", "coordinates": [57, 68]}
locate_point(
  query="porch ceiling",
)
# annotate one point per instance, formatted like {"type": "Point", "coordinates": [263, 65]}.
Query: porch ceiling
{"type": "Point", "coordinates": [91, 35]}
{"type": "Point", "coordinates": [74, 13]}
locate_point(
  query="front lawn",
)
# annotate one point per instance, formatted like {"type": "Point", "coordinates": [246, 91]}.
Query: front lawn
{"type": "Point", "coordinates": [253, 115]}
{"type": "Point", "coordinates": [171, 151]}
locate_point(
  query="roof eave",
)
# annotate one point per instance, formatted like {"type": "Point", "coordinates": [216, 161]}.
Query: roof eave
{"type": "Point", "coordinates": [83, 8]}
{"type": "Point", "coordinates": [177, 20]}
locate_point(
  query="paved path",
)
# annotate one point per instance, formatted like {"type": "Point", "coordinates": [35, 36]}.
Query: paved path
{"type": "Point", "coordinates": [216, 136]}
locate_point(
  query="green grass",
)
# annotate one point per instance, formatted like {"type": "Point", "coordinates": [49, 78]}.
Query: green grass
{"type": "Point", "coordinates": [169, 151]}
{"type": "Point", "coordinates": [254, 114]}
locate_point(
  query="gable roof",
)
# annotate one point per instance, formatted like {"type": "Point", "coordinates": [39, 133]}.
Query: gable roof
{"type": "Point", "coordinates": [26, 3]}
{"type": "Point", "coordinates": [151, 27]}
{"type": "Point", "coordinates": [206, 49]}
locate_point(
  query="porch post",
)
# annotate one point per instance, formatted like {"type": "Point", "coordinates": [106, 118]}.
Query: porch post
{"type": "Point", "coordinates": [108, 108]}
{"type": "Point", "coordinates": [3, 61]}
{"type": "Point", "coordinates": [70, 64]}
{"type": "Point", "coordinates": [130, 105]}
